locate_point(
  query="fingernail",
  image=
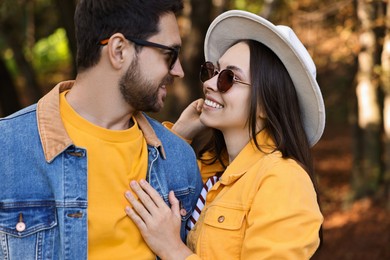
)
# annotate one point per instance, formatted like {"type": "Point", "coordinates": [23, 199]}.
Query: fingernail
{"type": "Point", "coordinates": [142, 181]}
{"type": "Point", "coordinates": [128, 194]}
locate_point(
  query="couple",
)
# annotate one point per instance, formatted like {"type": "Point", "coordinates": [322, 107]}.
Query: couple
{"type": "Point", "coordinates": [67, 160]}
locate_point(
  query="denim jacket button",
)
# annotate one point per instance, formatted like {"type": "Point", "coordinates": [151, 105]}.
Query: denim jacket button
{"type": "Point", "coordinates": [20, 226]}
{"type": "Point", "coordinates": [221, 219]}
{"type": "Point", "coordinates": [183, 212]}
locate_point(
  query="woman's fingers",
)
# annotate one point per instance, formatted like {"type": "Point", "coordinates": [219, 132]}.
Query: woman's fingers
{"type": "Point", "coordinates": [158, 223]}
{"type": "Point", "coordinates": [175, 203]}
{"type": "Point", "coordinates": [199, 105]}
{"type": "Point", "coordinates": [138, 209]}
{"type": "Point", "coordinates": [153, 194]}
{"type": "Point", "coordinates": [136, 219]}
{"type": "Point", "coordinates": [149, 202]}
{"type": "Point", "coordinates": [140, 192]}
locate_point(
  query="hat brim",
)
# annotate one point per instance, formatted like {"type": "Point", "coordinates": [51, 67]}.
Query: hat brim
{"type": "Point", "coordinates": [236, 25]}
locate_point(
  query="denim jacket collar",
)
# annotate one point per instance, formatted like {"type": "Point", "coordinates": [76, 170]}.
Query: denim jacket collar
{"type": "Point", "coordinates": [52, 132]}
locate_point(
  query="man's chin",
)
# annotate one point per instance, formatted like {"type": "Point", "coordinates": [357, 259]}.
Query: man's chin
{"type": "Point", "coordinates": [158, 107]}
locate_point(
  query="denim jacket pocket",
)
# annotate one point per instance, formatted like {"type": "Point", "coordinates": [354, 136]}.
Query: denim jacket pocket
{"type": "Point", "coordinates": [27, 232]}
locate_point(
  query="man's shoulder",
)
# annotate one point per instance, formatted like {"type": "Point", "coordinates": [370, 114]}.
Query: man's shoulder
{"type": "Point", "coordinates": [23, 115]}
{"type": "Point", "coordinates": [161, 131]}
{"type": "Point", "coordinates": [19, 127]}
{"type": "Point", "coordinates": [169, 139]}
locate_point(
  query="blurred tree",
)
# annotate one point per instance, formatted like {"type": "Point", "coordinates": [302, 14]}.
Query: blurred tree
{"type": "Point", "coordinates": [199, 18]}
{"type": "Point", "coordinates": [367, 165]}
{"type": "Point", "coordinates": [22, 24]}
{"type": "Point", "coordinates": [16, 28]}
{"type": "Point", "coordinates": [385, 82]}
{"type": "Point", "coordinates": [66, 10]}
{"type": "Point", "coordinates": [9, 100]}
{"type": "Point", "coordinates": [269, 6]}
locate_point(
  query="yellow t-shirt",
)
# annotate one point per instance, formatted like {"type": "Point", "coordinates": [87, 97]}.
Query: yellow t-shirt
{"type": "Point", "coordinates": [114, 158]}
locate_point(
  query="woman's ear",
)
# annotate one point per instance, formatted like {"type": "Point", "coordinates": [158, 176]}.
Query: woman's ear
{"type": "Point", "coordinates": [261, 116]}
{"type": "Point", "coordinates": [261, 113]}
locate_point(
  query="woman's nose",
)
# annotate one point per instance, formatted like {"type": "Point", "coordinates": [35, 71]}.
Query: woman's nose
{"type": "Point", "coordinates": [211, 84]}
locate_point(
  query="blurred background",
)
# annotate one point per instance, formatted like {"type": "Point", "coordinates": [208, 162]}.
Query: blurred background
{"type": "Point", "coordinates": [349, 41]}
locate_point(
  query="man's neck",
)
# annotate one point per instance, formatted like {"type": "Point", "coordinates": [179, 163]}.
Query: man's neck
{"type": "Point", "coordinates": [99, 101]}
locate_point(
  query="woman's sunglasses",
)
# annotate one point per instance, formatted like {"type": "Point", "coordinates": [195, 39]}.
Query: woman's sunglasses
{"type": "Point", "coordinates": [226, 78]}
{"type": "Point", "coordinates": [173, 51]}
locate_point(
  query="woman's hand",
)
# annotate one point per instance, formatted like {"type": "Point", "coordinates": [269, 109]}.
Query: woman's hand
{"type": "Point", "coordinates": [158, 224]}
{"type": "Point", "coordinates": [188, 125]}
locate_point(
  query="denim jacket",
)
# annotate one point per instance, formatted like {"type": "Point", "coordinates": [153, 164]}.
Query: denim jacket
{"type": "Point", "coordinates": [43, 181]}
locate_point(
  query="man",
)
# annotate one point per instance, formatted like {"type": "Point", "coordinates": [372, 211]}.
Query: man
{"type": "Point", "coordinates": [67, 160]}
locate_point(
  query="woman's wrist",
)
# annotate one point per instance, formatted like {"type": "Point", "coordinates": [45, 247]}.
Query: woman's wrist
{"type": "Point", "coordinates": [186, 131]}
{"type": "Point", "coordinates": [181, 251]}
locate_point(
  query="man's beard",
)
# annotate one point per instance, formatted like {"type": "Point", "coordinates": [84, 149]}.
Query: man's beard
{"type": "Point", "coordinates": [141, 93]}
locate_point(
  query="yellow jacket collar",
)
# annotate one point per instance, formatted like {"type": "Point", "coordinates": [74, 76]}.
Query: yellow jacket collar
{"type": "Point", "coordinates": [248, 156]}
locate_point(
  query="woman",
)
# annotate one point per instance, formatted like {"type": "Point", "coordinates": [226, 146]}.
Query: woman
{"type": "Point", "coordinates": [262, 98]}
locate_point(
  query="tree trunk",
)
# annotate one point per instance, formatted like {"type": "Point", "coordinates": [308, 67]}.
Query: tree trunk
{"type": "Point", "coordinates": [200, 18]}
{"type": "Point", "coordinates": [385, 83]}
{"type": "Point", "coordinates": [9, 101]}
{"type": "Point", "coordinates": [66, 10]}
{"type": "Point", "coordinates": [366, 174]}
{"type": "Point", "coordinates": [268, 8]}
{"type": "Point", "coordinates": [13, 31]}
{"type": "Point", "coordinates": [386, 176]}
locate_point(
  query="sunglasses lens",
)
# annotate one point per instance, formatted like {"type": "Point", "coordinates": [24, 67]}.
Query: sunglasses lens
{"type": "Point", "coordinates": [206, 71]}
{"type": "Point", "coordinates": [173, 58]}
{"type": "Point", "coordinates": [225, 80]}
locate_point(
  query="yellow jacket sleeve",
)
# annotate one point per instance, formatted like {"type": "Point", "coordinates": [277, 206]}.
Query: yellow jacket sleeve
{"type": "Point", "coordinates": [284, 218]}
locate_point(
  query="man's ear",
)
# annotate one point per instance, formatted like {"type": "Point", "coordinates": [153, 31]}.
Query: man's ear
{"type": "Point", "coordinates": [115, 50]}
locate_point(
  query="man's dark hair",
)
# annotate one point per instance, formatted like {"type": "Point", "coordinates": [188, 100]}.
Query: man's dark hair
{"type": "Point", "coordinates": [96, 20]}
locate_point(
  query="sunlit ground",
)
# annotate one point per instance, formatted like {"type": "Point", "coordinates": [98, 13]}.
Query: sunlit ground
{"type": "Point", "coordinates": [358, 231]}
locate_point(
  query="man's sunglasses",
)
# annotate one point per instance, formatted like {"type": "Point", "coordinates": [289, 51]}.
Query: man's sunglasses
{"type": "Point", "coordinates": [226, 78]}
{"type": "Point", "coordinates": [173, 51]}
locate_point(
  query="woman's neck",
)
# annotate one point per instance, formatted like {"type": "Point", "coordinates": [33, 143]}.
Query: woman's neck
{"type": "Point", "coordinates": [235, 141]}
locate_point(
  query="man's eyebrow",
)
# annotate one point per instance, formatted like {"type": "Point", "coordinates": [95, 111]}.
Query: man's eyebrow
{"type": "Point", "coordinates": [174, 46]}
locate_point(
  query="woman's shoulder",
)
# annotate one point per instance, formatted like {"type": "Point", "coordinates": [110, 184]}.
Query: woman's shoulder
{"type": "Point", "coordinates": [285, 169]}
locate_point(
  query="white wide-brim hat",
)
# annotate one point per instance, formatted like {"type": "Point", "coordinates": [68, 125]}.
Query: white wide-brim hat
{"type": "Point", "coordinates": [235, 25]}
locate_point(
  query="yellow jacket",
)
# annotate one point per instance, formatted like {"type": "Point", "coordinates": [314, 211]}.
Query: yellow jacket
{"type": "Point", "coordinates": [263, 207]}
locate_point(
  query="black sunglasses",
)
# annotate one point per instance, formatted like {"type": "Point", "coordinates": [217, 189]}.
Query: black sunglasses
{"type": "Point", "coordinates": [173, 51]}
{"type": "Point", "coordinates": [226, 78]}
